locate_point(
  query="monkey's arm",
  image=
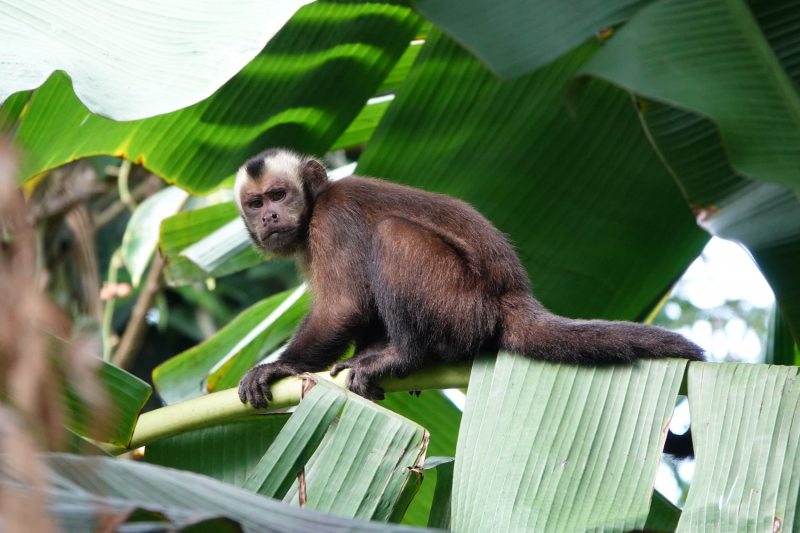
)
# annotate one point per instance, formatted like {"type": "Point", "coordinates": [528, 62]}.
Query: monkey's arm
{"type": "Point", "coordinates": [320, 340]}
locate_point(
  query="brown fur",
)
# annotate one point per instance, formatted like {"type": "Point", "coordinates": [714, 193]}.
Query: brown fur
{"type": "Point", "coordinates": [411, 277]}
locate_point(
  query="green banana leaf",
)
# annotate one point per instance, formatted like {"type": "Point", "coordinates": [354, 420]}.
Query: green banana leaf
{"type": "Point", "coordinates": [300, 92]}
{"type": "Point", "coordinates": [711, 57]}
{"type": "Point", "coordinates": [225, 244]}
{"type": "Point", "coordinates": [597, 221]}
{"type": "Point", "coordinates": [781, 348]}
{"type": "Point", "coordinates": [227, 452]}
{"type": "Point", "coordinates": [436, 413]}
{"type": "Point", "coordinates": [663, 516]}
{"type": "Point", "coordinates": [277, 470]}
{"type": "Point", "coordinates": [127, 395]}
{"type": "Point", "coordinates": [400, 70]}
{"type": "Point", "coordinates": [547, 447]}
{"type": "Point", "coordinates": [360, 130]}
{"type": "Point", "coordinates": [362, 127]}
{"type": "Point", "coordinates": [141, 234]}
{"type": "Point", "coordinates": [12, 109]}
{"type": "Point", "coordinates": [119, 69]}
{"type": "Point", "coordinates": [515, 37]}
{"type": "Point", "coordinates": [764, 217]}
{"type": "Point", "coordinates": [363, 465]}
{"type": "Point", "coordinates": [442, 498]}
{"type": "Point", "coordinates": [265, 338]}
{"type": "Point", "coordinates": [184, 230]}
{"type": "Point", "coordinates": [746, 440]}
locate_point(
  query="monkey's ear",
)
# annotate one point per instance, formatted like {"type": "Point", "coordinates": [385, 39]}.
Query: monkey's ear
{"type": "Point", "coordinates": [315, 175]}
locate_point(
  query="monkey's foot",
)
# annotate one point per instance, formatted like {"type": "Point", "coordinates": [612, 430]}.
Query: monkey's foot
{"type": "Point", "coordinates": [361, 384]}
{"type": "Point", "coordinates": [359, 381]}
{"type": "Point", "coordinates": [254, 386]}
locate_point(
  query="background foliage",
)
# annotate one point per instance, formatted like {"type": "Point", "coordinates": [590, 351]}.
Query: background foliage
{"type": "Point", "coordinates": [608, 139]}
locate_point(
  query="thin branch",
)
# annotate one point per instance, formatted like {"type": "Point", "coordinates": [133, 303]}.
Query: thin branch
{"type": "Point", "coordinates": [65, 201]}
{"type": "Point", "coordinates": [223, 406]}
{"type": "Point", "coordinates": [137, 324]}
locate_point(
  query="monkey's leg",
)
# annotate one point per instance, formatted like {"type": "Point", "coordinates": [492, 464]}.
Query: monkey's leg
{"type": "Point", "coordinates": [370, 340]}
{"type": "Point", "coordinates": [320, 340]}
{"type": "Point", "coordinates": [428, 294]}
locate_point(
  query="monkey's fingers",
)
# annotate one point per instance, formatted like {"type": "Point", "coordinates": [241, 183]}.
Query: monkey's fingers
{"type": "Point", "coordinates": [242, 393]}
{"type": "Point", "coordinates": [262, 388]}
{"type": "Point", "coordinates": [254, 397]}
{"type": "Point", "coordinates": [254, 386]}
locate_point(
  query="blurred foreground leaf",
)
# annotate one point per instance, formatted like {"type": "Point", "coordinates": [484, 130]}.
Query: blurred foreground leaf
{"type": "Point", "coordinates": [86, 490]}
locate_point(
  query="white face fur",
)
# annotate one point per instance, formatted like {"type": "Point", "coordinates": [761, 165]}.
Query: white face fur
{"type": "Point", "coordinates": [282, 164]}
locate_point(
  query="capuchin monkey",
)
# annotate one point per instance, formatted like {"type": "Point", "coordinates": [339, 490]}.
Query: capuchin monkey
{"type": "Point", "coordinates": [412, 278]}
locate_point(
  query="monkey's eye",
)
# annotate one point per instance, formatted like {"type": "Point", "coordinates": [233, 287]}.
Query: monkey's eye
{"type": "Point", "coordinates": [255, 204]}
{"type": "Point", "coordinates": [277, 196]}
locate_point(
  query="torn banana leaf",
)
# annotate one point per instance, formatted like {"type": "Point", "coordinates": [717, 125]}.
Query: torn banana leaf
{"type": "Point", "coordinates": [746, 439]}
{"type": "Point", "coordinates": [363, 466]}
{"type": "Point", "coordinates": [561, 448]}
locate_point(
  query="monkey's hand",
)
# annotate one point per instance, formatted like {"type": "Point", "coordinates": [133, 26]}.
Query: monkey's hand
{"type": "Point", "coordinates": [254, 386]}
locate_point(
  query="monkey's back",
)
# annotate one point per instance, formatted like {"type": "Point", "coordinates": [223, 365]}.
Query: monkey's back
{"type": "Point", "coordinates": [355, 204]}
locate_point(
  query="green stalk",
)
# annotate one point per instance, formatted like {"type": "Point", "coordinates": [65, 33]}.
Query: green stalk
{"type": "Point", "coordinates": [122, 185]}
{"type": "Point", "coordinates": [218, 407]}
{"type": "Point", "coordinates": [108, 311]}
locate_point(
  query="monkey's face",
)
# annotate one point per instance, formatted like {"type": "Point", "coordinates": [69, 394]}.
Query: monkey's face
{"type": "Point", "coordinates": [275, 192]}
{"type": "Point", "coordinates": [274, 210]}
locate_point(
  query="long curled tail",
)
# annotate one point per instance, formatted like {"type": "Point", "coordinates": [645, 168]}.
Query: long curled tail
{"type": "Point", "coordinates": [531, 330]}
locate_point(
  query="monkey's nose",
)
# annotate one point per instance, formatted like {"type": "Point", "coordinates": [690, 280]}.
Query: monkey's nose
{"type": "Point", "coordinates": [271, 217]}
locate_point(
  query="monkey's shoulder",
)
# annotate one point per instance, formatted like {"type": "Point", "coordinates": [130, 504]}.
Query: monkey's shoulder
{"type": "Point", "coordinates": [373, 196]}
{"type": "Point", "coordinates": [363, 186]}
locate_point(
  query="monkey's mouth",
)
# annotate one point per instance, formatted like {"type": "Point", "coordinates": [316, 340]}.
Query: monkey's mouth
{"type": "Point", "coordinates": [274, 234]}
